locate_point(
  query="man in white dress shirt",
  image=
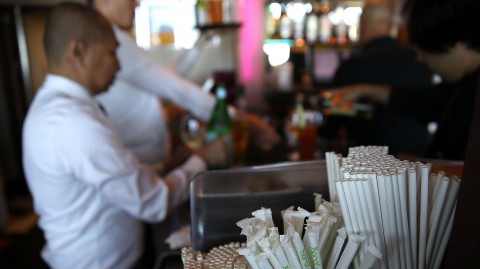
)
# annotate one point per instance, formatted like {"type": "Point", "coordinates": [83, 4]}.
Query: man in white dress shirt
{"type": "Point", "coordinates": [90, 191]}
{"type": "Point", "coordinates": [132, 101]}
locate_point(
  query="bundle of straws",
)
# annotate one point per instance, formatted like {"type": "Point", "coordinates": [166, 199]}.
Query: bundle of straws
{"type": "Point", "coordinates": [383, 213]}
{"type": "Point", "coordinates": [401, 209]}
{"type": "Point", "coordinates": [320, 246]}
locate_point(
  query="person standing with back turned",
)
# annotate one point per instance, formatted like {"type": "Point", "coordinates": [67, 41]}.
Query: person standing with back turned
{"type": "Point", "coordinates": [90, 191]}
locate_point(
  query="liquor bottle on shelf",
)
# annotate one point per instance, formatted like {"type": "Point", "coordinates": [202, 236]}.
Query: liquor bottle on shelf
{"type": "Point", "coordinates": [286, 25]}
{"type": "Point", "coordinates": [324, 24]}
{"type": "Point", "coordinates": [220, 124]}
{"type": "Point", "coordinates": [201, 13]}
{"type": "Point", "coordinates": [311, 24]}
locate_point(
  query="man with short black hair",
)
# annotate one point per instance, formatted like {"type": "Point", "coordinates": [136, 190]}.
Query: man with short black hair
{"type": "Point", "coordinates": [89, 190]}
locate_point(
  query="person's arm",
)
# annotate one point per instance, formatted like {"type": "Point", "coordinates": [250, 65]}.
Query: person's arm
{"type": "Point", "coordinates": [351, 93]}
{"type": "Point", "coordinates": [421, 103]}
{"type": "Point", "coordinates": [143, 73]}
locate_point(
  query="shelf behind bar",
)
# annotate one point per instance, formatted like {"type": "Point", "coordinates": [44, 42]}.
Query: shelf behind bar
{"type": "Point", "coordinates": [207, 27]}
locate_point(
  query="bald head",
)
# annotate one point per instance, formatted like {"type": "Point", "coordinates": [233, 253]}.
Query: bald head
{"type": "Point", "coordinates": [73, 21]}
{"type": "Point", "coordinates": [376, 20]}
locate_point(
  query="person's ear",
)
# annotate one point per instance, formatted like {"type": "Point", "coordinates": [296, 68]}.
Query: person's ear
{"type": "Point", "coordinates": [76, 52]}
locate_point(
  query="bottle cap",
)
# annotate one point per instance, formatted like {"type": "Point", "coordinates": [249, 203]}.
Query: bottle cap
{"type": "Point", "coordinates": [221, 92]}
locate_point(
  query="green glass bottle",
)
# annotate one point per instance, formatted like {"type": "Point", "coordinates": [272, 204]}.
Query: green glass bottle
{"type": "Point", "coordinates": [220, 123]}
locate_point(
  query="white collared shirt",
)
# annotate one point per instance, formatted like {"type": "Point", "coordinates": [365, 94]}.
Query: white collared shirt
{"type": "Point", "coordinates": [132, 100]}
{"type": "Point", "coordinates": [89, 190]}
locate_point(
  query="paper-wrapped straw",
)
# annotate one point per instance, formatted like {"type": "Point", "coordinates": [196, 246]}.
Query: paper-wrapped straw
{"type": "Point", "coordinates": [327, 248]}
{"type": "Point", "coordinates": [371, 256]}
{"type": "Point", "coordinates": [287, 217]}
{"type": "Point", "coordinates": [412, 212]}
{"type": "Point", "coordinates": [249, 256]}
{"type": "Point", "coordinates": [290, 252]}
{"type": "Point", "coordinates": [350, 250]}
{"type": "Point", "coordinates": [281, 257]}
{"type": "Point", "coordinates": [443, 244]}
{"type": "Point", "coordinates": [262, 261]}
{"type": "Point", "coordinates": [264, 214]}
{"type": "Point", "coordinates": [327, 223]}
{"type": "Point", "coordinates": [299, 219]}
{"type": "Point", "coordinates": [422, 231]}
{"type": "Point", "coordinates": [337, 248]}
{"type": "Point", "coordinates": [314, 250]}
{"type": "Point", "coordinates": [300, 249]}
{"type": "Point", "coordinates": [318, 198]}
{"type": "Point", "coordinates": [265, 246]}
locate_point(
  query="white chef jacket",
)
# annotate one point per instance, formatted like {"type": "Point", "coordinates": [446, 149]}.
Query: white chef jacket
{"type": "Point", "coordinates": [132, 100]}
{"type": "Point", "coordinates": [88, 188]}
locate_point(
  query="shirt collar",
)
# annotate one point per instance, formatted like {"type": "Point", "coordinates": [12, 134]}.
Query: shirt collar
{"type": "Point", "coordinates": [68, 87]}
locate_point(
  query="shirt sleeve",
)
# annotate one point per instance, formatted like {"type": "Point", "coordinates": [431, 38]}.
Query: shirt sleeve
{"type": "Point", "coordinates": [140, 71]}
{"type": "Point", "coordinates": [99, 158]}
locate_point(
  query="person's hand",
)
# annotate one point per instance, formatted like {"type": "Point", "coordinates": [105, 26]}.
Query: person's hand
{"type": "Point", "coordinates": [215, 153]}
{"type": "Point", "coordinates": [352, 93]}
{"type": "Point", "coordinates": [264, 135]}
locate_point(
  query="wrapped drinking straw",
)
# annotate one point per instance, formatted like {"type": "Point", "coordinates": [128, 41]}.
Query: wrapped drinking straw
{"type": "Point", "coordinates": [325, 228]}
{"type": "Point", "coordinates": [264, 214]}
{"type": "Point", "coordinates": [299, 219]}
{"type": "Point", "coordinates": [281, 257]}
{"type": "Point", "coordinates": [262, 261]}
{"type": "Point", "coordinates": [299, 248]}
{"type": "Point", "coordinates": [371, 256]}
{"type": "Point", "coordinates": [290, 252]}
{"type": "Point", "coordinates": [327, 248]}
{"type": "Point", "coordinates": [318, 200]}
{"type": "Point", "coordinates": [265, 247]}
{"type": "Point", "coordinates": [313, 227]}
{"type": "Point", "coordinates": [350, 250]}
{"type": "Point", "coordinates": [247, 253]}
{"type": "Point", "coordinates": [314, 250]}
{"type": "Point", "coordinates": [287, 217]}
{"type": "Point", "coordinates": [337, 248]}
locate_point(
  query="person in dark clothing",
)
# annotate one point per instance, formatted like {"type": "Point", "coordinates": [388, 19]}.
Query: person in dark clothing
{"type": "Point", "coordinates": [447, 41]}
{"type": "Point", "coordinates": [380, 59]}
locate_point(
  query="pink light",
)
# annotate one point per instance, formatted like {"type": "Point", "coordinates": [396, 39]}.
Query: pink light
{"type": "Point", "coordinates": [251, 41]}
